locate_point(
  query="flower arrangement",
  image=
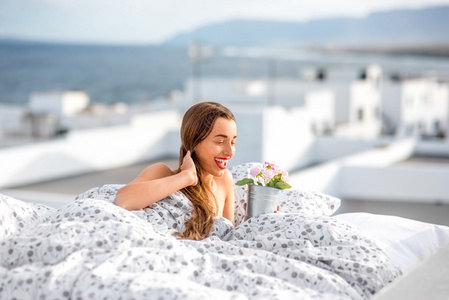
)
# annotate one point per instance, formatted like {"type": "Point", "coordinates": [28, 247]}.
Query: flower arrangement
{"type": "Point", "coordinates": [269, 175]}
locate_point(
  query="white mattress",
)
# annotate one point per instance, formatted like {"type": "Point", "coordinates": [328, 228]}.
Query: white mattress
{"type": "Point", "coordinates": [407, 241]}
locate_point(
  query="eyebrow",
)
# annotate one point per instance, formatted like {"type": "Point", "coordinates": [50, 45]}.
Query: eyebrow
{"type": "Point", "coordinates": [223, 136]}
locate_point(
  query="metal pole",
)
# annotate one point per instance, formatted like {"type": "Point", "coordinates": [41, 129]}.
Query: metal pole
{"type": "Point", "coordinates": [195, 55]}
{"type": "Point", "coordinates": [271, 88]}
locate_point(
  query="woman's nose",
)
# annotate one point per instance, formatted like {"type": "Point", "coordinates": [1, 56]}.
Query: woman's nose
{"type": "Point", "coordinates": [228, 150]}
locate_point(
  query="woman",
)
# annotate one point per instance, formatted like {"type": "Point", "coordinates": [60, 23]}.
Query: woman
{"type": "Point", "coordinates": [208, 134]}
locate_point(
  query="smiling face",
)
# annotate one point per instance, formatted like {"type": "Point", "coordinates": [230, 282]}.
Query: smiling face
{"type": "Point", "coordinates": [214, 152]}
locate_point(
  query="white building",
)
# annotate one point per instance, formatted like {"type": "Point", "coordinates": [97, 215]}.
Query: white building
{"type": "Point", "coordinates": [10, 121]}
{"type": "Point", "coordinates": [49, 112]}
{"type": "Point", "coordinates": [317, 102]}
{"type": "Point", "coordinates": [60, 104]}
{"type": "Point", "coordinates": [225, 90]}
{"type": "Point", "coordinates": [364, 107]}
{"type": "Point", "coordinates": [416, 107]}
{"type": "Point", "coordinates": [355, 104]}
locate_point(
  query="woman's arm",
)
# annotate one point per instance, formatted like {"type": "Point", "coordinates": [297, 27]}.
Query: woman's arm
{"type": "Point", "coordinates": [229, 205]}
{"type": "Point", "coordinates": [155, 183]}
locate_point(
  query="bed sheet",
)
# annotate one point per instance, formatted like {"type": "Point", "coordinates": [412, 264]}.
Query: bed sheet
{"type": "Point", "coordinates": [92, 249]}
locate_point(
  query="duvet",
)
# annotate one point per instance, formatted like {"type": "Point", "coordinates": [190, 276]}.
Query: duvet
{"type": "Point", "coordinates": [92, 249]}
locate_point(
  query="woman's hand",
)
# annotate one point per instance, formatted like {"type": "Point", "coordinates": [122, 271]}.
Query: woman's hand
{"type": "Point", "coordinates": [188, 167]}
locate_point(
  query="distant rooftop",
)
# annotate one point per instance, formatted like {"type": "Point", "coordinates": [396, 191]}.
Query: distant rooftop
{"type": "Point", "coordinates": [433, 161]}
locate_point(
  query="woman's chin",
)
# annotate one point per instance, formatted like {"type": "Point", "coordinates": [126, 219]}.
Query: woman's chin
{"type": "Point", "coordinates": [218, 172]}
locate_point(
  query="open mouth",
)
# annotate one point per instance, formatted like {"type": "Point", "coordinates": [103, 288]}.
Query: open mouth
{"type": "Point", "coordinates": [221, 162]}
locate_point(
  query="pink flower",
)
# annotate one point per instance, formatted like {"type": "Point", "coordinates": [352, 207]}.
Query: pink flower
{"type": "Point", "coordinates": [284, 177]}
{"type": "Point", "coordinates": [255, 170]}
{"type": "Point", "coordinates": [268, 174]}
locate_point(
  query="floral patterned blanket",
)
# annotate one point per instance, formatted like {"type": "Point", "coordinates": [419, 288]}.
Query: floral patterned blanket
{"type": "Point", "coordinates": [92, 249]}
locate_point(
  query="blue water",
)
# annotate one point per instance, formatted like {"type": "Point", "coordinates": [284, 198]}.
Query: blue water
{"type": "Point", "coordinates": [107, 74]}
{"type": "Point", "coordinates": [140, 73]}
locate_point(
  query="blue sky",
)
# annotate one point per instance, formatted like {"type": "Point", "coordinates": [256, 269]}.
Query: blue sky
{"type": "Point", "coordinates": [153, 21]}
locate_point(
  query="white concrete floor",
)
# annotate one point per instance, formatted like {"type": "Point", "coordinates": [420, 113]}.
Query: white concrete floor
{"type": "Point", "coordinates": [56, 193]}
{"type": "Point", "coordinates": [425, 212]}
{"type": "Point", "coordinates": [60, 191]}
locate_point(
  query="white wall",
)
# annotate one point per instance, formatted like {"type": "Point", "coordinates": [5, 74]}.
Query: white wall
{"type": "Point", "coordinates": [433, 148]}
{"type": "Point", "coordinates": [284, 136]}
{"type": "Point", "coordinates": [287, 138]}
{"type": "Point", "coordinates": [326, 177]}
{"type": "Point", "coordinates": [331, 148]}
{"type": "Point", "coordinates": [323, 178]}
{"type": "Point", "coordinates": [91, 150]}
{"type": "Point", "coordinates": [395, 183]}
{"type": "Point", "coordinates": [59, 103]}
{"type": "Point", "coordinates": [391, 104]}
{"type": "Point", "coordinates": [250, 134]}
{"type": "Point", "coordinates": [376, 175]}
{"type": "Point", "coordinates": [424, 102]}
{"type": "Point", "coordinates": [223, 90]}
{"type": "Point", "coordinates": [320, 106]}
{"type": "Point", "coordinates": [10, 120]}
{"type": "Point", "coordinates": [273, 133]}
{"type": "Point", "coordinates": [365, 98]}
{"type": "Point", "coordinates": [439, 109]}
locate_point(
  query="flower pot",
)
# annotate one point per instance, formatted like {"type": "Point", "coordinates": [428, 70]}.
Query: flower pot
{"type": "Point", "coordinates": [261, 200]}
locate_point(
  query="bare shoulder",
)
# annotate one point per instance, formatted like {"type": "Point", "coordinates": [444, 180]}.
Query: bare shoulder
{"type": "Point", "coordinates": [154, 171]}
{"type": "Point", "coordinates": [228, 180]}
{"type": "Point", "coordinates": [228, 176]}
{"type": "Point", "coordinates": [225, 181]}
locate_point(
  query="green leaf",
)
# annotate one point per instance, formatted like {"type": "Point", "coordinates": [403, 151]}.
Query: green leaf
{"type": "Point", "coordinates": [282, 185]}
{"type": "Point", "coordinates": [245, 181]}
{"type": "Point", "coordinates": [271, 183]}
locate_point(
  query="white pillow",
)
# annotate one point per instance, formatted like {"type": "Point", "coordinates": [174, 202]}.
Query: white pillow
{"type": "Point", "coordinates": [292, 200]}
{"type": "Point", "coordinates": [406, 241]}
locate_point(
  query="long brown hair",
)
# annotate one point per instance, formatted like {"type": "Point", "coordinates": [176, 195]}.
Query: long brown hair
{"type": "Point", "coordinates": [197, 124]}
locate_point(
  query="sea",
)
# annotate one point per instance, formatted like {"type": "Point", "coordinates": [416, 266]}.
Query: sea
{"type": "Point", "coordinates": [136, 74]}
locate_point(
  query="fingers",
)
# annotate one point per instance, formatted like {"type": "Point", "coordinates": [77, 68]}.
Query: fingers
{"type": "Point", "coordinates": [186, 156]}
{"type": "Point", "coordinates": [189, 169]}
{"type": "Point", "coordinates": [187, 162]}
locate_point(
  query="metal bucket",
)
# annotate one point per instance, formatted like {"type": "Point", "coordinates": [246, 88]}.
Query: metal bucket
{"type": "Point", "coordinates": [261, 200]}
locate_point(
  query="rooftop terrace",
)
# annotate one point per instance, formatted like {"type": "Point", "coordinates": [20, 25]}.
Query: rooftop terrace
{"type": "Point", "coordinates": [60, 191]}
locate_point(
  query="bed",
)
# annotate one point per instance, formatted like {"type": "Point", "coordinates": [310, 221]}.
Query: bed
{"type": "Point", "coordinates": [92, 249]}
